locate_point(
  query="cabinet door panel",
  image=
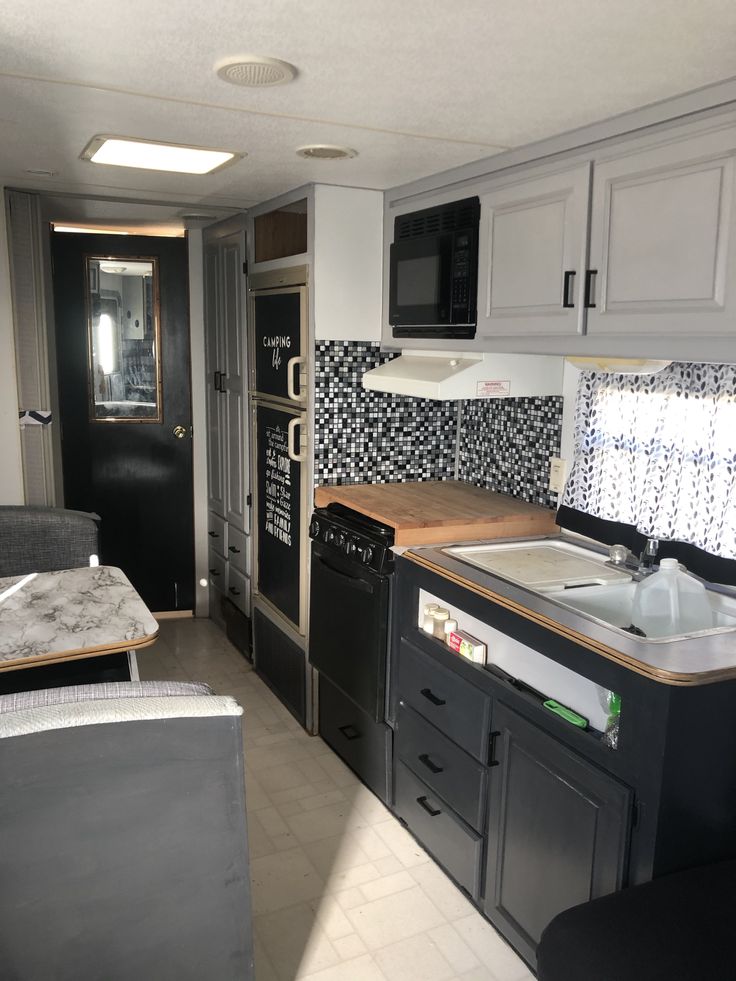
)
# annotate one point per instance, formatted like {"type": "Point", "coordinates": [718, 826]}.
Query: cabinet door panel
{"type": "Point", "coordinates": [214, 360]}
{"type": "Point", "coordinates": [533, 233]}
{"type": "Point", "coordinates": [662, 239]}
{"type": "Point", "coordinates": [558, 831]}
{"type": "Point", "coordinates": [237, 511]}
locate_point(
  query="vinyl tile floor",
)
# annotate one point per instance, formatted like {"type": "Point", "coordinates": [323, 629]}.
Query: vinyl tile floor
{"type": "Point", "coordinates": [341, 891]}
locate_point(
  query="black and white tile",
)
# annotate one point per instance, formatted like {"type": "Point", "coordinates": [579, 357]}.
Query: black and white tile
{"type": "Point", "coordinates": [506, 445]}
{"type": "Point", "coordinates": [363, 436]}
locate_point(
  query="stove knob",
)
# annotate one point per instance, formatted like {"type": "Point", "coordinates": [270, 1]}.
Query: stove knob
{"type": "Point", "coordinates": [340, 540]}
{"type": "Point", "coordinates": [351, 546]}
{"type": "Point", "coordinates": [329, 536]}
{"type": "Point", "coordinates": [366, 555]}
{"type": "Point", "coordinates": [314, 528]}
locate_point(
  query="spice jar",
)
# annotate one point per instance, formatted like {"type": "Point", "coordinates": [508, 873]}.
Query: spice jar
{"type": "Point", "coordinates": [439, 616]}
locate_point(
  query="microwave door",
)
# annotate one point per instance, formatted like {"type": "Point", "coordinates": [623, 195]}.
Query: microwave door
{"type": "Point", "coordinates": [421, 281]}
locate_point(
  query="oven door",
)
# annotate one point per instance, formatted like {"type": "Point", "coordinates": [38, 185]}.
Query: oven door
{"type": "Point", "coordinates": [348, 627]}
{"type": "Point", "coordinates": [420, 284]}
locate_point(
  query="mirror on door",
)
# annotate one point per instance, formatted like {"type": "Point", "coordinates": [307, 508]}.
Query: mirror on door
{"type": "Point", "coordinates": [123, 339]}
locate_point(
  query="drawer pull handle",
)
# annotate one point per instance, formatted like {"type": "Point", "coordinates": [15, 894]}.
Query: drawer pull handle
{"type": "Point", "coordinates": [567, 302]}
{"type": "Point", "coordinates": [431, 697]}
{"type": "Point", "coordinates": [233, 549]}
{"type": "Point", "coordinates": [349, 731]}
{"type": "Point", "coordinates": [214, 572]}
{"type": "Point", "coordinates": [213, 534]}
{"type": "Point", "coordinates": [234, 591]}
{"type": "Point", "coordinates": [423, 802]}
{"type": "Point", "coordinates": [590, 275]}
{"type": "Point", "coordinates": [432, 767]}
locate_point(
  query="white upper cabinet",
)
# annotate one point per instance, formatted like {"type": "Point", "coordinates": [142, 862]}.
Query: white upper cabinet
{"type": "Point", "coordinates": [532, 255]}
{"type": "Point", "coordinates": [662, 252]}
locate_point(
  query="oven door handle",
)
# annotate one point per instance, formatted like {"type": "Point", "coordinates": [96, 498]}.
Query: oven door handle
{"type": "Point", "coordinates": [352, 581]}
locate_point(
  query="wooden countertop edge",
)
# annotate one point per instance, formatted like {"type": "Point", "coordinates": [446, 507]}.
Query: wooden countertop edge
{"type": "Point", "coordinates": [655, 674]}
{"type": "Point", "coordinates": [55, 657]}
{"type": "Point", "coordinates": [519, 527]}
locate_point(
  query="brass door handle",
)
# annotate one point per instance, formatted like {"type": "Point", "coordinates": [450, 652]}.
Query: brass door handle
{"type": "Point", "coordinates": [179, 431]}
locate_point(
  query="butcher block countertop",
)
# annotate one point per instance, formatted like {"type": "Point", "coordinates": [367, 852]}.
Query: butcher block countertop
{"type": "Point", "coordinates": [429, 512]}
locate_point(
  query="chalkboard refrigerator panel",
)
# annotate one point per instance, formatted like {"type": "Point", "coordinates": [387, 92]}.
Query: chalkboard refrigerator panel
{"type": "Point", "coordinates": [279, 331]}
{"type": "Point", "coordinates": [281, 502]}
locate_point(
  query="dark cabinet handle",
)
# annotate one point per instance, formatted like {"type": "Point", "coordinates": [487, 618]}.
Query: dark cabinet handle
{"type": "Point", "coordinates": [431, 697]}
{"type": "Point", "coordinates": [432, 767]}
{"type": "Point", "coordinates": [567, 300]}
{"type": "Point", "coordinates": [234, 591]}
{"type": "Point", "coordinates": [349, 731]}
{"type": "Point", "coordinates": [233, 549]}
{"type": "Point", "coordinates": [213, 534]}
{"type": "Point", "coordinates": [423, 802]}
{"type": "Point", "coordinates": [214, 572]}
{"type": "Point", "coordinates": [589, 287]}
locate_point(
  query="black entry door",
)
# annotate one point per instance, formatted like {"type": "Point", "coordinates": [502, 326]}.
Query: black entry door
{"type": "Point", "coordinates": [137, 475]}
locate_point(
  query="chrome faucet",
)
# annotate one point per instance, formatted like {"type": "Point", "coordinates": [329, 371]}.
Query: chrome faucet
{"type": "Point", "coordinates": [648, 555]}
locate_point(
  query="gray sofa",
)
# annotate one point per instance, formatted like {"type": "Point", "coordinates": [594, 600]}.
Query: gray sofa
{"type": "Point", "coordinates": [123, 846]}
{"type": "Point", "coordinates": [38, 539]}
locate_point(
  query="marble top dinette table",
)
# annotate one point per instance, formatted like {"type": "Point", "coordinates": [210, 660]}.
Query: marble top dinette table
{"type": "Point", "coordinates": [58, 617]}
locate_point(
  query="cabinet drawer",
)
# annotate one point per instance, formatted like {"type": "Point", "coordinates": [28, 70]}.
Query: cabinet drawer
{"type": "Point", "coordinates": [217, 532]}
{"type": "Point", "coordinates": [237, 549]}
{"type": "Point", "coordinates": [442, 765]}
{"type": "Point", "coordinates": [238, 589]}
{"type": "Point", "coordinates": [365, 745]}
{"type": "Point", "coordinates": [217, 568]}
{"type": "Point", "coordinates": [455, 846]}
{"type": "Point", "coordinates": [448, 701]}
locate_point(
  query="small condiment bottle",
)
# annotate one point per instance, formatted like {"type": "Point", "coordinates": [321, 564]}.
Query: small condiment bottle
{"type": "Point", "coordinates": [428, 625]}
{"type": "Point", "coordinates": [450, 626]}
{"type": "Point", "coordinates": [440, 615]}
{"type": "Point", "coordinates": [429, 609]}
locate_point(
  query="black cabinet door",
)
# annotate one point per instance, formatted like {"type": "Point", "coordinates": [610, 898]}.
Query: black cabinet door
{"type": "Point", "coordinates": [279, 325]}
{"type": "Point", "coordinates": [558, 831]}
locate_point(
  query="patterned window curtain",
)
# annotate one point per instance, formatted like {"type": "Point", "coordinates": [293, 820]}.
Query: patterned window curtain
{"type": "Point", "coordinates": [658, 452]}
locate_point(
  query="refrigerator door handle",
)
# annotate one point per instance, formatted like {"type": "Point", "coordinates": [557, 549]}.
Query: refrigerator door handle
{"type": "Point", "coordinates": [300, 396]}
{"type": "Point", "coordinates": [291, 429]}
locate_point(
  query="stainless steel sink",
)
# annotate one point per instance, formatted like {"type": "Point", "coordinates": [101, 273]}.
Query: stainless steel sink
{"type": "Point", "coordinates": [581, 579]}
{"type": "Point", "coordinates": [612, 605]}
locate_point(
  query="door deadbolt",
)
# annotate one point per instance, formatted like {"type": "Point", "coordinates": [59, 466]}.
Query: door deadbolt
{"type": "Point", "coordinates": [179, 431]}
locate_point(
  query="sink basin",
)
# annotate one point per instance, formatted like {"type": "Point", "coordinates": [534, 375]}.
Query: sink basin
{"type": "Point", "coordinates": [581, 579]}
{"type": "Point", "coordinates": [612, 605]}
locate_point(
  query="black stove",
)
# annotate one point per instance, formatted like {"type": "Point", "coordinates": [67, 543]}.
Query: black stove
{"type": "Point", "coordinates": [353, 535]}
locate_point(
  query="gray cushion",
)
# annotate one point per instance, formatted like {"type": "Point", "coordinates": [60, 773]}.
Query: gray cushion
{"type": "Point", "coordinates": [36, 539]}
{"type": "Point", "coordinates": [19, 701]}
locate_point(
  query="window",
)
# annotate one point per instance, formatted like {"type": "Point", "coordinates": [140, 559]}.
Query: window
{"type": "Point", "coordinates": [658, 453]}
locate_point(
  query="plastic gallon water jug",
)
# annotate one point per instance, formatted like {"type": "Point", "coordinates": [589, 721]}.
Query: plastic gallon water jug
{"type": "Point", "coordinates": [671, 602]}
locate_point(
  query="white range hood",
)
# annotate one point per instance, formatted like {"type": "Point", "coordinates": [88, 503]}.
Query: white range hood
{"type": "Point", "coordinates": [445, 375]}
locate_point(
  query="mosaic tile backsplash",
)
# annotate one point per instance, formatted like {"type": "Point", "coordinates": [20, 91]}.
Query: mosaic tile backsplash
{"type": "Point", "coordinates": [505, 445]}
{"type": "Point", "coordinates": [361, 436]}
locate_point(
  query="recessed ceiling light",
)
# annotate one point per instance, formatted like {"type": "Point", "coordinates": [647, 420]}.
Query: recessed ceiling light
{"type": "Point", "coordinates": [255, 71]}
{"type": "Point", "coordinates": [325, 151]}
{"type": "Point", "coordinates": [120, 151]}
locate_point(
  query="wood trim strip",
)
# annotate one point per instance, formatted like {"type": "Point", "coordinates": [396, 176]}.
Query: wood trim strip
{"type": "Point", "coordinates": [660, 675]}
{"type": "Point", "coordinates": [56, 657]}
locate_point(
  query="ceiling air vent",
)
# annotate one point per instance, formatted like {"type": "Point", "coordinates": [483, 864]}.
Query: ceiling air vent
{"type": "Point", "coordinates": [255, 71]}
{"type": "Point", "coordinates": [325, 151]}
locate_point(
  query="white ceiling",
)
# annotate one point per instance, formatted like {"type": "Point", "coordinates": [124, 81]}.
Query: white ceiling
{"type": "Point", "coordinates": [415, 86]}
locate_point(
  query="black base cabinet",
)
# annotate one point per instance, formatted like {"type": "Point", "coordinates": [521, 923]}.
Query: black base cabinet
{"type": "Point", "coordinates": [528, 813]}
{"type": "Point", "coordinates": [558, 831]}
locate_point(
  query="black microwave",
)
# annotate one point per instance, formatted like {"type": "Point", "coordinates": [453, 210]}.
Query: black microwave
{"type": "Point", "coordinates": [433, 279]}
